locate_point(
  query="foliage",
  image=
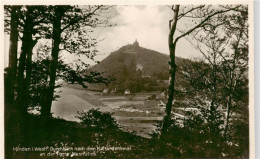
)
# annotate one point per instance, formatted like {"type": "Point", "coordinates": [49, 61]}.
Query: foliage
{"type": "Point", "coordinates": [151, 76]}
{"type": "Point", "coordinates": [65, 72]}
{"type": "Point", "coordinates": [36, 77]}
{"type": "Point", "coordinates": [193, 140]}
{"type": "Point", "coordinates": [97, 120]}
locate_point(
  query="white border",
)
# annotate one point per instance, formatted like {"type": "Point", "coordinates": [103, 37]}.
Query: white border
{"type": "Point", "coordinates": [251, 82]}
{"type": "Point", "coordinates": [257, 76]}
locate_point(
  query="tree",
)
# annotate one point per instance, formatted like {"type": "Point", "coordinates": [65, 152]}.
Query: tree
{"type": "Point", "coordinates": [28, 30]}
{"type": "Point", "coordinates": [224, 46]}
{"type": "Point", "coordinates": [38, 22]}
{"type": "Point", "coordinates": [11, 19]}
{"type": "Point", "coordinates": [26, 52]}
{"type": "Point", "coordinates": [65, 72]}
{"type": "Point", "coordinates": [229, 43]}
{"type": "Point", "coordinates": [58, 13]}
{"type": "Point", "coordinates": [12, 66]}
{"type": "Point", "coordinates": [202, 93]}
{"type": "Point", "coordinates": [200, 16]}
{"type": "Point", "coordinates": [236, 63]}
{"type": "Point", "coordinates": [68, 19]}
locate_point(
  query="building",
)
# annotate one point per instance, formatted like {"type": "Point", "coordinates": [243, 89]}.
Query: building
{"type": "Point", "coordinates": [105, 91]}
{"type": "Point", "coordinates": [127, 91]}
{"type": "Point", "coordinates": [132, 47]}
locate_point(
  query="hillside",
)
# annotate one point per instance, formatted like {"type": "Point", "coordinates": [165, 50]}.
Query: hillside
{"type": "Point", "coordinates": [135, 68]}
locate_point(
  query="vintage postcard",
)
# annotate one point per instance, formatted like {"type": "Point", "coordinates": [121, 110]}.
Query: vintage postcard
{"type": "Point", "coordinates": [127, 79]}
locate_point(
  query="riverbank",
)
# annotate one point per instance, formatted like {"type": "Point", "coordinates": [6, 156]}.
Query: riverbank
{"type": "Point", "coordinates": [134, 112]}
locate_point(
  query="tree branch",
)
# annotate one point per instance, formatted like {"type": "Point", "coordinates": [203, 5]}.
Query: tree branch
{"type": "Point", "coordinates": [189, 11]}
{"type": "Point", "coordinates": [173, 23]}
{"type": "Point", "coordinates": [201, 23]}
{"type": "Point", "coordinates": [74, 20]}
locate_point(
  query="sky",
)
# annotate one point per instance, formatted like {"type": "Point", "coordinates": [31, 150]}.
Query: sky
{"type": "Point", "coordinates": [148, 24]}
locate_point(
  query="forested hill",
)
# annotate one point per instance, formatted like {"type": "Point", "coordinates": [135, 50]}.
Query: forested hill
{"type": "Point", "coordinates": [132, 59]}
{"type": "Point", "coordinates": [133, 66]}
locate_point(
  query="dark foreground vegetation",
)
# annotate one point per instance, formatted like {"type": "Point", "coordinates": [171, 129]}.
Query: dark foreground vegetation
{"type": "Point", "coordinates": [59, 133]}
{"type": "Point", "coordinates": [100, 130]}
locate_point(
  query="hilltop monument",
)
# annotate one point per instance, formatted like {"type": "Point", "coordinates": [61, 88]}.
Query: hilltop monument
{"type": "Point", "coordinates": [136, 44]}
{"type": "Point", "coordinates": [132, 47]}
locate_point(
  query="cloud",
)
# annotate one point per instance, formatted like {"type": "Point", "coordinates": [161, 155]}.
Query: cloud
{"type": "Point", "coordinates": [144, 23]}
{"type": "Point", "coordinates": [148, 24]}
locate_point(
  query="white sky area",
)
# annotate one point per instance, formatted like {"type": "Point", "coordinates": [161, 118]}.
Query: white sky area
{"type": "Point", "coordinates": [148, 24]}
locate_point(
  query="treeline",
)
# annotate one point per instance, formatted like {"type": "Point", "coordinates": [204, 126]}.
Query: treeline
{"type": "Point", "coordinates": [40, 38]}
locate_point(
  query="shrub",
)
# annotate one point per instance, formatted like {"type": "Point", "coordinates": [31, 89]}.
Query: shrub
{"type": "Point", "coordinates": [97, 120]}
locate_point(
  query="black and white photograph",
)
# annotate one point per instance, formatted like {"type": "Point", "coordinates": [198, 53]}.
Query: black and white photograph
{"type": "Point", "coordinates": [128, 80]}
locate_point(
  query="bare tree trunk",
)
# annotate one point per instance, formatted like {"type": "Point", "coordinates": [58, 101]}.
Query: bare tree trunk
{"type": "Point", "coordinates": [46, 109]}
{"type": "Point", "coordinates": [26, 50]}
{"type": "Point", "coordinates": [27, 80]}
{"type": "Point", "coordinates": [9, 89]}
{"type": "Point", "coordinates": [228, 116]}
{"type": "Point", "coordinates": [229, 105]}
{"type": "Point", "coordinates": [12, 66]}
{"type": "Point", "coordinates": [231, 86]}
{"type": "Point", "coordinates": [172, 71]}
